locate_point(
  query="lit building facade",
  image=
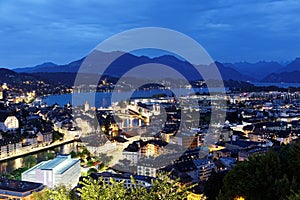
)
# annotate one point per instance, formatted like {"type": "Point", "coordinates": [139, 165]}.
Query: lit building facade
{"type": "Point", "coordinates": [61, 170]}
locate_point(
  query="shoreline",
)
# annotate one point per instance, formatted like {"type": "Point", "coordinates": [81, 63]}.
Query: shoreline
{"type": "Point", "coordinates": [37, 149]}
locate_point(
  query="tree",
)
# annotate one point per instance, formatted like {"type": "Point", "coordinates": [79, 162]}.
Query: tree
{"type": "Point", "coordinates": [49, 155]}
{"type": "Point", "coordinates": [294, 196]}
{"type": "Point", "coordinates": [73, 154]}
{"type": "Point", "coordinates": [105, 159]}
{"type": "Point", "coordinates": [274, 175]}
{"type": "Point", "coordinates": [30, 161]}
{"type": "Point", "coordinates": [213, 185]}
{"type": "Point", "coordinates": [162, 188]}
{"type": "Point", "coordinates": [92, 170]}
{"type": "Point", "coordinates": [97, 190]}
{"type": "Point", "coordinates": [91, 189]}
{"type": "Point", "coordinates": [293, 161]}
{"type": "Point", "coordinates": [60, 192]}
{"type": "Point", "coordinates": [254, 178]}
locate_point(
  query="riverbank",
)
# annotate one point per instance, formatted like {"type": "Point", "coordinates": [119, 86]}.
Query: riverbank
{"type": "Point", "coordinates": [37, 149]}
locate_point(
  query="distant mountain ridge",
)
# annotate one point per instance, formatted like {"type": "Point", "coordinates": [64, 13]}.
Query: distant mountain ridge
{"type": "Point", "coordinates": [128, 61]}
{"type": "Point", "coordinates": [35, 68]}
{"type": "Point", "coordinates": [292, 66]}
{"type": "Point", "coordinates": [266, 71]}
{"type": "Point", "coordinates": [258, 70]}
{"type": "Point", "coordinates": [285, 77]}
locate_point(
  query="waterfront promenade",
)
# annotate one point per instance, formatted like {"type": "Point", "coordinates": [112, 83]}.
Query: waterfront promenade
{"type": "Point", "coordinates": [37, 149]}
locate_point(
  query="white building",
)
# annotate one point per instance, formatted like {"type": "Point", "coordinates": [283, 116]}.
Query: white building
{"type": "Point", "coordinates": [205, 167]}
{"type": "Point", "coordinates": [143, 181]}
{"type": "Point", "coordinates": [86, 106]}
{"type": "Point", "coordinates": [132, 156]}
{"type": "Point", "coordinates": [9, 123]}
{"type": "Point", "coordinates": [61, 170]}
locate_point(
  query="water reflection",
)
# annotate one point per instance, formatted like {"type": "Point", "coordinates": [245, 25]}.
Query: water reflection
{"type": "Point", "coordinates": [12, 164]}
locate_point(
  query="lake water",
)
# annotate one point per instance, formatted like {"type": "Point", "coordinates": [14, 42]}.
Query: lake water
{"type": "Point", "coordinates": [282, 85]}
{"type": "Point", "coordinates": [104, 99]}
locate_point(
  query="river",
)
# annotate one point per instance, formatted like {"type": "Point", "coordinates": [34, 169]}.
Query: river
{"type": "Point", "coordinates": [12, 164]}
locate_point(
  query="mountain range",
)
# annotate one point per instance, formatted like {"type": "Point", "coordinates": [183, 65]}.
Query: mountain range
{"type": "Point", "coordinates": [262, 71]}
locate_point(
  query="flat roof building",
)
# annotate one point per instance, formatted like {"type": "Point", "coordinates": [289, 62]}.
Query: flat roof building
{"type": "Point", "coordinates": [61, 170]}
{"type": "Point", "coordinates": [14, 189]}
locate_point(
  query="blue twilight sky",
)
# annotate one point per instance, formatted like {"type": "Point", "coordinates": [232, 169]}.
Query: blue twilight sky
{"type": "Point", "coordinates": [36, 31]}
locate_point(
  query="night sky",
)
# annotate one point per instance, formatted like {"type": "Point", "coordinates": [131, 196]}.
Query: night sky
{"type": "Point", "coordinates": [61, 31]}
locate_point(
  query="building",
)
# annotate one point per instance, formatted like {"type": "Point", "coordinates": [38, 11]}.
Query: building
{"type": "Point", "coordinates": [241, 144]}
{"type": "Point", "coordinates": [45, 138]}
{"type": "Point", "coordinates": [86, 106]}
{"type": "Point", "coordinates": [22, 190]}
{"type": "Point", "coordinates": [8, 123]}
{"type": "Point", "coordinates": [221, 153]}
{"type": "Point", "coordinates": [10, 146]}
{"type": "Point", "coordinates": [151, 148]}
{"type": "Point", "coordinates": [205, 167]}
{"type": "Point", "coordinates": [11, 123]}
{"type": "Point", "coordinates": [244, 154]}
{"type": "Point", "coordinates": [186, 140]}
{"type": "Point", "coordinates": [150, 166]}
{"type": "Point", "coordinates": [144, 181]}
{"type": "Point", "coordinates": [31, 140]}
{"type": "Point", "coordinates": [198, 170]}
{"type": "Point", "coordinates": [131, 153]}
{"type": "Point", "coordinates": [61, 170]}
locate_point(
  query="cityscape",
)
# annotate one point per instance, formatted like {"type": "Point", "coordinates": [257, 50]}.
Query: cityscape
{"type": "Point", "coordinates": [153, 110]}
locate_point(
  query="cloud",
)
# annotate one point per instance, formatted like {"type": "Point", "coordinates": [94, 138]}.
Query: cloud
{"type": "Point", "coordinates": [34, 31]}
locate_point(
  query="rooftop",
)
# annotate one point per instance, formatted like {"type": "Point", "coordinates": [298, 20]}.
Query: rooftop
{"type": "Point", "coordinates": [19, 186]}
{"type": "Point", "coordinates": [59, 164]}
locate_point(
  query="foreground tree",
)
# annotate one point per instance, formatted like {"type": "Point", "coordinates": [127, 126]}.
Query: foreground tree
{"type": "Point", "coordinates": [162, 188]}
{"type": "Point", "coordinates": [213, 185]}
{"type": "Point", "coordinates": [98, 190]}
{"type": "Point", "coordinates": [271, 176]}
{"type": "Point", "coordinates": [60, 192]}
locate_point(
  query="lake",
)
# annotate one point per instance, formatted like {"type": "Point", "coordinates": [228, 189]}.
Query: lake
{"type": "Point", "coordinates": [282, 85]}
{"type": "Point", "coordinates": [103, 99]}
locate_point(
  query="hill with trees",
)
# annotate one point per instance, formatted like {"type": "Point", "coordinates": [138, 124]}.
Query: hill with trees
{"type": "Point", "coordinates": [275, 175]}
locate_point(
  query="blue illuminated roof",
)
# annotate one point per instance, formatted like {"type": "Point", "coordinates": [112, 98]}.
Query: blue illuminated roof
{"type": "Point", "coordinates": [50, 165]}
{"type": "Point", "coordinates": [59, 165]}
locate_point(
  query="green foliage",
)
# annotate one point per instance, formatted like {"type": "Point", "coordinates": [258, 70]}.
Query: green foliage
{"type": "Point", "coordinates": [92, 170]}
{"type": "Point", "coordinates": [213, 185]}
{"type": "Point", "coordinates": [49, 155]}
{"type": "Point", "coordinates": [293, 164]}
{"type": "Point", "coordinates": [85, 152]}
{"type": "Point", "coordinates": [98, 190]}
{"type": "Point", "coordinates": [105, 159]}
{"type": "Point", "coordinates": [16, 174]}
{"type": "Point", "coordinates": [30, 161]}
{"type": "Point", "coordinates": [166, 188]}
{"type": "Point", "coordinates": [90, 163]}
{"type": "Point", "coordinates": [73, 154]}
{"type": "Point", "coordinates": [60, 192]}
{"type": "Point", "coordinates": [294, 196]}
{"type": "Point", "coordinates": [272, 176]}
{"type": "Point", "coordinates": [57, 135]}
{"type": "Point", "coordinates": [163, 188]}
